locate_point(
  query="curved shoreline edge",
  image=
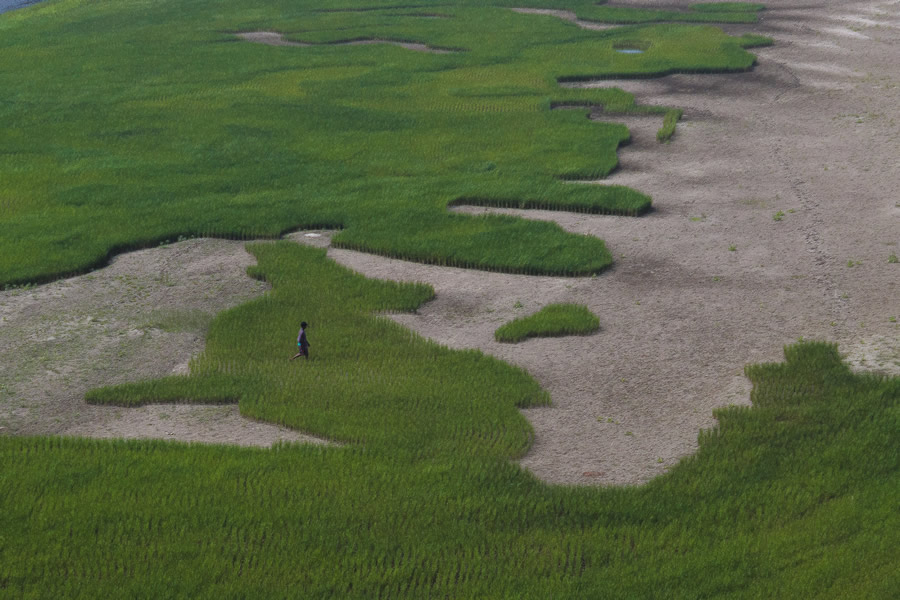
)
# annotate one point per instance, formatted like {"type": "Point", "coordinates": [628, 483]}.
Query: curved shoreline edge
{"type": "Point", "coordinates": [11, 5]}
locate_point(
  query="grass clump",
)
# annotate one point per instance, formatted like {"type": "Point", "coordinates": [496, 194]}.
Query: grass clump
{"type": "Point", "coordinates": [245, 140]}
{"type": "Point", "coordinates": [795, 497]}
{"type": "Point", "coordinates": [670, 121]}
{"type": "Point", "coordinates": [551, 321]}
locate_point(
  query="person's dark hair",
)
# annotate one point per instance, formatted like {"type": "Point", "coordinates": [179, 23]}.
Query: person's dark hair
{"type": "Point", "coordinates": [303, 325]}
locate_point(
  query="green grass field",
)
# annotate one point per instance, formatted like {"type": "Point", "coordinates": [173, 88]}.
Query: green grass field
{"type": "Point", "coordinates": [124, 124]}
{"type": "Point", "coordinates": [796, 497]}
{"type": "Point", "coordinates": [551, 321]}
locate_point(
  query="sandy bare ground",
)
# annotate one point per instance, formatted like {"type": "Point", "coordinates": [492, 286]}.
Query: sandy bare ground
{"type": "Point", "coordinates": [810, 133]}
{"type": "Point", "coordinates": [142, 317]}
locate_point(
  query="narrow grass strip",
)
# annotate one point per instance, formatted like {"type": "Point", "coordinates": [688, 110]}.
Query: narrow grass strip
{"type": "Point", "coordinates": [554, 320]}
{"type": "Point", "coordinates": [670, 121]}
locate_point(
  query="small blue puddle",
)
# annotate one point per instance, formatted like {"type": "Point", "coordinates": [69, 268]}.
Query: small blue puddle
{"type": "Point", "coordinates": [10, 5]}
{"type": "Point", "coordinates": [629, 51]}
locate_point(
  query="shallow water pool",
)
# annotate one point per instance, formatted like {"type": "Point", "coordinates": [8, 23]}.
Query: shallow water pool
{"type": "Point", "coordinates": [8, 5]}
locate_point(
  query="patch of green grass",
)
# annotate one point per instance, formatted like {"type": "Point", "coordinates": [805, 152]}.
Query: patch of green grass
{"type": "Point", "coordinates": [248, 346]}
{"type": "Point", "coordinates": [751, 40]}
{"type": "Point", "coordinates": [795, 497]}
{"type": "Point", "coordinates": [893, 259]}
{"type": "Point", "coordinates": [126, 124]}
{"type": "Point", "coordinates": [551, 321]}
{"type": "Point", "coordinates": [671, 119]}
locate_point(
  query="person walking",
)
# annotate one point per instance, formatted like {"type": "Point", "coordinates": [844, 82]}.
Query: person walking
{"type": "Point", "coordinates": [302, 342]}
